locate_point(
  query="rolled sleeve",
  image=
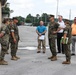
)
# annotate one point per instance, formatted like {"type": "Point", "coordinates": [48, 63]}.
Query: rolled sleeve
{"type": "Point", "coordinates": [3, 32]}
{"type": "Point", "coordinates": [12, 30]}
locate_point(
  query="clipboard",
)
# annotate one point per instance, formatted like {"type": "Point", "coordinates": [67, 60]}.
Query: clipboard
{"type": "Point", "coordinates": [42, 37]}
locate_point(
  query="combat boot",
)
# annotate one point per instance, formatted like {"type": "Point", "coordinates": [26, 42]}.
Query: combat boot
{"type": "Point", "coordinates": [38, 51]}
{"type": "Point", "coordinates": [0, 62]}
{"type": "Point", "coordinates": [54, 58]}
{"type": "Point", "coordinates": [66, 62]}
{"type": "Point", "coordinates": [13, 58]}
{"type": "Point", "coordinates": [17, 57]}
{"type": "Point", "coordinates": [50, 57]}
{"type": "Point", "coordinates": [43, 51]}
{"type": "Point", "coordinates": [3, 62]}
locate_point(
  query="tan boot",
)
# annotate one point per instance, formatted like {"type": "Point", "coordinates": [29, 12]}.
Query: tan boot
{"type": "Point", "coordinates": [43, 51]}
{"type": "Point", "coordinates": [54, 58]}
{"type": "Point", "coordinates": [50, 57]}
{"type": "Point", "coordinates": [17, 57]}
{"type": "Point", "coordinates": [38, 51]}
{"type": "Point", "coordinates": [0, 62]}
{"type": "Point", "coordinates": [13, 58]}
{"type": "Point", "coordinates": [3, 62]}
{"type": "Point", "coordinates": [66, 62]}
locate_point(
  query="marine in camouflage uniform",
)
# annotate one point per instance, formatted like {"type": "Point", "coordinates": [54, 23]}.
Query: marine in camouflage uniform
{"type": "Point", "coordinates": [52, 31]}
{"type": "Point", "coordinates": [9, 27]}
{"type": "Point", "coordinates": [67, 34]}
{"type": "Point", "coordinates": [4, 40]}
{"type": "Point", "coordinates": [14, 39]}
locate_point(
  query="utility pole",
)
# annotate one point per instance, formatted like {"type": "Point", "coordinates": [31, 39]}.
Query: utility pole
{"type": "Point", "coordinates": [70, 14]}
{"type": "Point", "coordinates": [45, 18]}
{"type": "Point", "coordinates": [38, 16]}
{"type": "Point", "coordinates": [57, 8]}
{"type": "Point", "coordinates": [41, 18]}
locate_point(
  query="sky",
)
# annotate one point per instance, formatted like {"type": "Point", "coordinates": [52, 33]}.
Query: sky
{"type": "Point", "coordinates": [33, 7]}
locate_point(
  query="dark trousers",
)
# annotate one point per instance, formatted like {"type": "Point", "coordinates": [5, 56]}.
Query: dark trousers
{"type": "Point", "coordinates": [59, 45]}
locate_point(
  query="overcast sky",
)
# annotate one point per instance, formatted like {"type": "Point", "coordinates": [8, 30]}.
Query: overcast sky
{"type": "Point", "coordinates": [24, 7]}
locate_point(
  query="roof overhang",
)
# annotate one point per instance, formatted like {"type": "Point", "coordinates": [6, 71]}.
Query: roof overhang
{"type": "Point", "coordinates": [3, 2]}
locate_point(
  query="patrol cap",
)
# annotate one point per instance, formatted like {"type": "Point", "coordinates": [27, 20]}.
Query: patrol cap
{"type": "Point", "coordinates": [51, 16]}
{"type": "Point", "coordinates": [67, 21]}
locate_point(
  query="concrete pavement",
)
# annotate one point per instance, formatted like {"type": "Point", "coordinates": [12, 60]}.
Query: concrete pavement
{"type": "Point", "coordinates": [32, 63]}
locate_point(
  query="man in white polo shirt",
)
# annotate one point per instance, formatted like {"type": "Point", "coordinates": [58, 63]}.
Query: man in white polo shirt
{"type": "Point", "coordinates": [60, 34]}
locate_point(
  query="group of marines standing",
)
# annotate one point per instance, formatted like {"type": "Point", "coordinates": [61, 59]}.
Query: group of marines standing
{"type": "Point", "coordinates": [9, 36]}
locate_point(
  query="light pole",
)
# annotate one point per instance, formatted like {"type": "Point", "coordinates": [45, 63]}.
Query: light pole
{"type": "Point", "coordinates": [38, 16]}
{"type": "Point", "coordinates": [45, 18]}
{"type": "Point", "coordinates": [57, 8]}
{"type": "Point", "coordinates": [70, 14]}
{"type": "Point", "coordinates": [41, 16]}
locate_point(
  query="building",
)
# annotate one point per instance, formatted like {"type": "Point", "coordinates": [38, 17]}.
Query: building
{"type": "Point", "coordinates": [2, 3]}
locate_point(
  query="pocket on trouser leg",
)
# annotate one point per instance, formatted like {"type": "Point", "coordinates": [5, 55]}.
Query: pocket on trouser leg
{"type": "Point", "coordinates": [4, 46]}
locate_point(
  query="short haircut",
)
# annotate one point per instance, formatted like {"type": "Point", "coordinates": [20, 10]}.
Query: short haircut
{"type": "Point", "coordinates": [5, 20]}
{"type": "Point", "coordinates": [60, 16]}
{"type": "Point", "coordinates": [14, 18]}
{"type": "Point", "coordinates": [67, 21]}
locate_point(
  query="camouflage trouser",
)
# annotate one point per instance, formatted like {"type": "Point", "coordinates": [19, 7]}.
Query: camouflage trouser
{"type": "Point", "coordinates": [43, 43]}
{"type": "Point", "coordinates": [8, 46]}
{"type": "Point", "coordinates": [14, 48]}
{"type": "Point", "coordinates": [67, 51]}
{"type": "Point", "coordinates": [4, 48]}
{"type": "Point", "coordinates": [52, 46]}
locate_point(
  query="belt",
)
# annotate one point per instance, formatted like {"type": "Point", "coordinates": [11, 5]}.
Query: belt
{"type": "Point", "coordinates": [59, 33]}
{"type": "Point", "coordinates": [73, 35]}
